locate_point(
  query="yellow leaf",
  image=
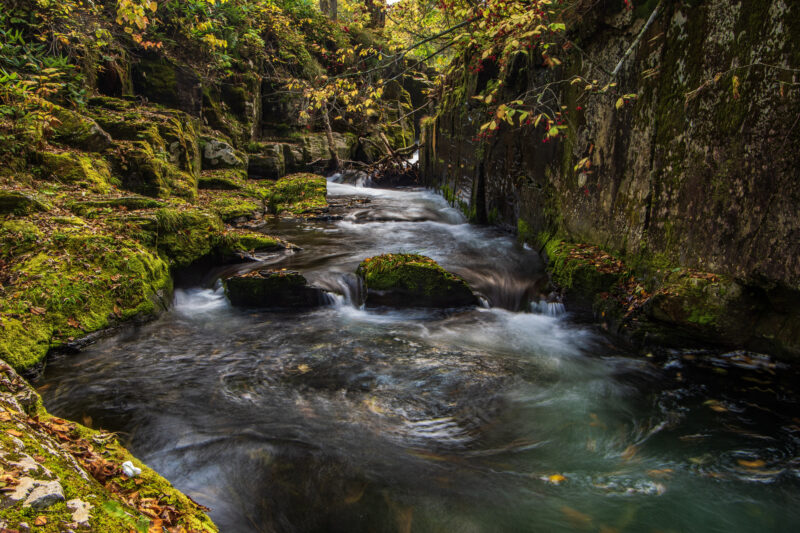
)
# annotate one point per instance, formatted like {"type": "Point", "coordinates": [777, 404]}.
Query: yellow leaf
{"type": "Point", "coordinates": [493, 125]}
{"type": "Point", "coordinates": [555, 479]}
{"type": "Point", "coordinates": [620, 103]}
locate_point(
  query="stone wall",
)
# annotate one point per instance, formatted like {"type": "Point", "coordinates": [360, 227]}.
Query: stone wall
{"type": "Point", "coordinates": [707, 182]}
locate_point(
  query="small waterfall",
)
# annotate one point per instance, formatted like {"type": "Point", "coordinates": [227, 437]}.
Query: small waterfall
{"type": "Point", "coordinates": [343, 289]}
{"type": "Point", "coordinates": [553, 308]}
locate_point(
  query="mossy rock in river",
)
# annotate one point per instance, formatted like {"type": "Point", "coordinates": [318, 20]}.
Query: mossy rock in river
{"type": "Point", "coordinates": [298, 194]}
{"type": "Point", "coordinates": [273, 289]}
{"type": "Point", "coordinates": [412, 280]}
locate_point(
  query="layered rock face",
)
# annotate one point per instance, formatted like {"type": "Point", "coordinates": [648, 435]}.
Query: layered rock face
{"type": "Point", "coordinates": [698, 171]}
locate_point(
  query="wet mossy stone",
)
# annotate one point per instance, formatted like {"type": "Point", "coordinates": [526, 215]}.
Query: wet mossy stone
{"type": "Point", "coordinates": [19, 203]}
{"type": "Point", "coordinates": [279, 289]}
{"type": "Point", "coordinates": [412, 280]}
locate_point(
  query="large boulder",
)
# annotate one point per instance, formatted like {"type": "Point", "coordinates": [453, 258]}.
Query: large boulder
{"type": "Point", "coordinates": [412, 280]}
{"type": "Point", "coordinates": [281, 289]}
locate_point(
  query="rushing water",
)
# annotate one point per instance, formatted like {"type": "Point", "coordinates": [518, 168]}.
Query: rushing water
{"type": "Point", "coordinates": [493, 419]}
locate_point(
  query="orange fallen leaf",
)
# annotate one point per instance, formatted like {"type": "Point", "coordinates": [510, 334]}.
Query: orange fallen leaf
{"type": "Point", "coordinates": [14, 432]}
{"type": "Point", "coordinates": [758, 463]}
{"type": "Point", "coordinates": [555, 479]}
{"type": "Point", "coordinates": [41, 520]}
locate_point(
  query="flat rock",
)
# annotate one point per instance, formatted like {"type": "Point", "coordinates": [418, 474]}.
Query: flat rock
{"type": "Point", "coordinates": [44, 495]}
{"type": "Point", "coordinates": [273, 289]}
{"type": "Point", "coordinates": [412, 280]}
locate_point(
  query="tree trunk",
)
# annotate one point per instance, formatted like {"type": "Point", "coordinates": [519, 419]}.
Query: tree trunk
{"type": "Point", "coordinates": [336, 163]}
{"type": "Point", "coordinates": [377, 13]}
{"type": "Point", "coordinates": [329, 8]}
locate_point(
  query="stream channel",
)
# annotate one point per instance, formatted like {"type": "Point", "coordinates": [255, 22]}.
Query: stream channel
{"type": "Point", "coordinates": [510, 417]}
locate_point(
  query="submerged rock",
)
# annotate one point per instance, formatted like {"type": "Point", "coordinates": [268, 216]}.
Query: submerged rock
{"type": "Point", "coordinates": [412, 280]}
{"type": "Point", "coordinates": [273, 289]}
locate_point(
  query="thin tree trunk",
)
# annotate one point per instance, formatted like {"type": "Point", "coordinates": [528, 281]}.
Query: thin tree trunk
{"type": "Point", "coordinates": [336, 163]}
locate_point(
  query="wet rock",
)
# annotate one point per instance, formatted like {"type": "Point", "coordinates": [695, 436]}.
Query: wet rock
{"type": "Point", "coordinates": [273, 289]}
{"type": "Point", "coordinates": [44, 495]}
{"type": "Point", "coordinates": [412, 280]}
{"type": "Point", "coordinates": [19, 203]}
{"type": "Point", "coordinates": [219, 154]}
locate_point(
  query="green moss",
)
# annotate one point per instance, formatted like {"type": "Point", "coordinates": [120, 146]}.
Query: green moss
{"type": "Point", "coordinates": [298, 194]}
{"type": "Point", "coordinates": [248, 241]}
{"type": "Point", "coordinates": [186, 235]}
{"type": "Point", "coordinates": [108, 204]}
{"type": "Point", "coordinates": [79, 281]}
{"type": "Point", "coordinates": [20, 203]}
{"type": "Point", "coordinates": [227, 179]}
{"type": "Point", "coordinates": [232, 207]}
{"type": "Point", "coordinates": [412, 279]}
{"type": "Point", "coordinates": [524, 231]}
{"type": "Point", "coordinates": [77, 169]}
{"type": "Point", "coordinates": [583, 269]}
{"type": "Point", "coordinates": [78, 131]}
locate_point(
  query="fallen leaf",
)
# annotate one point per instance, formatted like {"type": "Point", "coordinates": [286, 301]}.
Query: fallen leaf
{"type": "Point", "coordinates": [14, 432]}
{"type": "Point", "coordinates": [758, 463]}
{"type": "Point", "coordinates": [41, 520]}
{"type": "Point", "coordinates": [556, 479]}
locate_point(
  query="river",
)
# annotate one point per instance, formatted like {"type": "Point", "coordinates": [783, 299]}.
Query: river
{"type": "Point", "coordinates": [509, 417]}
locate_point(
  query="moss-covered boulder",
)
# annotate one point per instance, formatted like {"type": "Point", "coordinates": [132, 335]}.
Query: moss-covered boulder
{"type": "Point", "coordinates": [79, 131]}
{"type": "Point", "coordinates": [80, 169]}
{"type": "Point", "coordinates": [234, 208]}
{"type": "Point", "coordinates": [412, 280]}
{"type": "Point", "coordinates": [186, 234]}
{"type": "Point", "coordinates": [20, 203]}
{"type": "Point", "coordinates": [221, 180]}
{"type": "Point", "coordinates": [298, 194]}
{"type": "Point", "coordinates": [273, 289]}
{"type": "Point", "coordinates": [70, 282]}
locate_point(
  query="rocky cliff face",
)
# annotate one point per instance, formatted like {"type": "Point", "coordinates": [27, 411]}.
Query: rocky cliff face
{"type": "Point", "coordinates": [700, 171]}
